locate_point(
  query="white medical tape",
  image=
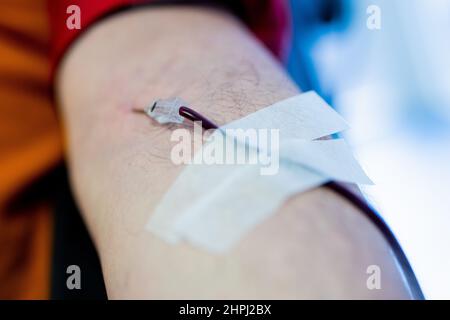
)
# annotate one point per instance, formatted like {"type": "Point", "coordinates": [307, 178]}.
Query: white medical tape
{"type": "Point", "coordinates": [215, 213]}
{"type": "Point", "coordinates": [213, 206]}
{"type": "Point", "coordinates": [305, 116]}
{"type": "Point", "coordinates": [332, 158]}
{"type": "Point", "coordinates": [220, 220]}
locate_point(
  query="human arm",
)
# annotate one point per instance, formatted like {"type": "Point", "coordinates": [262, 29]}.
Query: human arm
{"type": "Point", "coordinates": [316, 246]}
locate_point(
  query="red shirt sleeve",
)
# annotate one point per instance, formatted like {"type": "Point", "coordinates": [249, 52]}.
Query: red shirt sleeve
{"type": "Point", "coordinates": [268, 19]}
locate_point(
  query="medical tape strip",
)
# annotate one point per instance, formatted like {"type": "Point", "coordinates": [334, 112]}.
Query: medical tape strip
{"type": "Point", "coordinates": [332, 158]}
{"type": "Point", "coordinates": [221, 220]}
{"type": "Point", "coordinates": [212, 206]}
{"type": "Point", "coordinates": [305, 116]}
{"type": "Point", "coordinates": [193, 184]}
{"type": "Point", "coordinates": [246, 199]}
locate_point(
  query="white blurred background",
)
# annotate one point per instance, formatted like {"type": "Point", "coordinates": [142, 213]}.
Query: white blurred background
{"type": "Point", "coordinates": [393, 86]}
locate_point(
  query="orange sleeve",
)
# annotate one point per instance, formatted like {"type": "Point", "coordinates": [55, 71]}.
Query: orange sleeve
{"type": "Point", "coordinates": [30, 146]}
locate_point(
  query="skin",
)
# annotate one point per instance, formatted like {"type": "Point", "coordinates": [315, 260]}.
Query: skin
{"type": "Point", "coordinates": [315, 246]}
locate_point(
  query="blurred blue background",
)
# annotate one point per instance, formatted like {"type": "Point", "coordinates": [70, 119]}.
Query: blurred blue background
{"type": "Point", "coordinates": [392, 84]}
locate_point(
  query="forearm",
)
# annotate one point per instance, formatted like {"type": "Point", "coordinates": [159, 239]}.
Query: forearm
{"type": "Point", "coordinates": [319, 245]}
